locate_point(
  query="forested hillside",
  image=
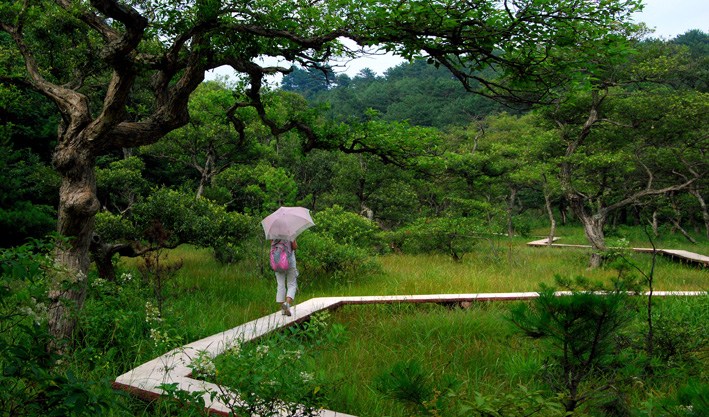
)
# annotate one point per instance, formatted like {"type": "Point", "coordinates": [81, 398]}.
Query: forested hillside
{"type": "Point", "coordinates": [419, 93]}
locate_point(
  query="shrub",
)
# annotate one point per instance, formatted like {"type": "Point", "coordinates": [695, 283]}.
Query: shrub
{"type": "Point", "coordinates": [275, 376]}
{"type": "Point", "coordinates": [34, 383]}
{"type": "Point", "coordinates": [25, 220]}
{"type": "Point", "coordinates": [454, 236]}
{"type": "Point", "coordinates": [347, 228]}
{"type": "Point", "coordinates": [580, 329]}
{"type": "Point", "coordinates": [681, 329]}
{"type": "Point", "coordinates": [321, 255]}
{"type": "Point", "coordinates": [407, 382]}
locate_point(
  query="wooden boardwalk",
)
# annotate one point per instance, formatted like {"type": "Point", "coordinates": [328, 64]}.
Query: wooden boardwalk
{"type": "Point", "coordinates": [174, 366]}
{"type": "Point", "coordinates": [675, 254]}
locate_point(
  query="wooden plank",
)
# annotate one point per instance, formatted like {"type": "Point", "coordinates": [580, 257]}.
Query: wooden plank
{"type": "Point", "coordinates": [174, 366]}
{"type": "Point", "coordinates": [543, 242]}
{"type": "Point", "coordinates": [676, 254]}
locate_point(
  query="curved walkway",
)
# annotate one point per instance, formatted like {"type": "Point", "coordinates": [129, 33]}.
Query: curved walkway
{"type": "Point", "coordinates": [675, 254]}
{"type": "Point", "coordinates": [174, 366]}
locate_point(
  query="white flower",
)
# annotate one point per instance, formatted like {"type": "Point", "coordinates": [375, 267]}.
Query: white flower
{"type": "Point", "coordinates": [36, 311]}
{"type": "Point", "coordinates": [203, 364]}
{"type": "Point", "coordinates": [306, 377]}
{"type": "Point", "coordinates": [262, 350]}
{"type": "Point", "coordinates": [99, 283]}
{"type": "Point", "coordinates": [152, 314]}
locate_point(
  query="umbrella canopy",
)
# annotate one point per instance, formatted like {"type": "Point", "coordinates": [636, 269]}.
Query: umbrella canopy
{"type": "Point", "coordinates": [287, 223]}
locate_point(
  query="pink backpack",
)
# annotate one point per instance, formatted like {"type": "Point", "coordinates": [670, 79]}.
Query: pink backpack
{"type": "Point", "coordinates": [280, 252]}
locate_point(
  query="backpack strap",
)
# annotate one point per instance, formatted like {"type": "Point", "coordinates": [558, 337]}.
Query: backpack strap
{"type": "Point", "coordinates": [286, 244]}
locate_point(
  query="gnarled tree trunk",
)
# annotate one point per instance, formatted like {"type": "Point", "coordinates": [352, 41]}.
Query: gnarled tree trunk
{"type": "Point", "coordinates": [78, 205]}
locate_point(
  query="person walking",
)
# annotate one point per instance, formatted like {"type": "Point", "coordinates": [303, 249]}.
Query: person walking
{"type": "Point", "coordinates": [286, 280]}
{"type": "Point", "coordinates": [282, 227]}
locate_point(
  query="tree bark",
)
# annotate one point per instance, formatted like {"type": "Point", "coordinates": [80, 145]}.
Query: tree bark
{"type": "Point", "coordinates": [703, 205]}
{"type": "Point", "coordinates": [593, 225]}
{"type": "Point", "coordinates": [550, 213]}
{"type": "Point", "coordinates": [655, 224]}
{"type": "Point", "coordinates": [77, 206]}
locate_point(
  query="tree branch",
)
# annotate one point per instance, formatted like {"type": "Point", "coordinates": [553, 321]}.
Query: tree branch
{"type": "Point", "coordinates": [646, 193]}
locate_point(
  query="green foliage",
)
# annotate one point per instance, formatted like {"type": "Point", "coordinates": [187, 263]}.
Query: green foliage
{"type": "Point", "coordinates": [256, 190]}
{"type": "Point", "coordinates": [181, 403]}
{"type": "Point", "coordinates": [114, 329]}
{"type": "Point", "coordinates": [681, 330]}
{"type": "Point", "coordinates": [275, 376]}
{"type": "Point", "coordinates": [321, 256]}
{"type": "Point", "coordinates": [521, 402]}
{"type": "Point", "coordinates": [26, 200]}
{"type": "Point", "coordinates": [417, 92]}
{"type": "Point", "coordinates": [183, 219]}
{"type": "Point", "coordinates": [406, 381]}
{"type": "Point", "coordinates": [346, 227]}
{"type": "Point", "coordinates": [33, 379]}
{"type": "Point", "coordinates": [24, 220]}
{"type": "Point", "coordinates": [691, 400]}
{"type": "Point", "coordinates": [454, 236]}
{"type": "Point", "coordinates": [115, 228]}
{"type": "Point", "coordinates": [580, 329]}
{"type": "Point", "coordinates": [121, 183]}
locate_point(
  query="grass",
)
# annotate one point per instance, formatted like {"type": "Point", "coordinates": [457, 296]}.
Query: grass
{"type": "Point", "coordinates": [477, 347]}
{"type": "Point", "coordinates": [468, 350]}
{"type": "Point", "coordinates": [215, 297]}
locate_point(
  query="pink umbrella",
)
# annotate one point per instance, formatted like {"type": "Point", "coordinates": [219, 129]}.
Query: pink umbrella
{"type": "Point", "coordinates": [287, 223]}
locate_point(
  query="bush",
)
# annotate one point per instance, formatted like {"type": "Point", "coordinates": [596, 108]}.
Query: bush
{"type": "Point", "coordinates": [33, 381]}
{"type": "Point", "coordinates": [183, 219]}
{"type": "Point", "coordinates": [347, 228]}
{"type": "Point", "coordinates": [25, 220]}
{"type": "Point", "coordinates": [454, 236]}
{"type": "Point", "coordinates": [580, 329]}
{"type": "Point", "coordinates": [118, 325]}
{"type": "Point", "coordinates": [274, 377]}
{"type": "Point", "coordinates": [322, 255]}
{"type": "Point", "coordinates": [681, 329]}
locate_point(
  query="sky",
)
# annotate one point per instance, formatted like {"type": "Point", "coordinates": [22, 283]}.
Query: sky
{"type": "Point", "coordinates": [669, 18]}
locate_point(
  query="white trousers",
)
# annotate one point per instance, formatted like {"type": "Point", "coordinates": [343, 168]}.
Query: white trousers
{"type": "Point", "coordinates": [287, 284]}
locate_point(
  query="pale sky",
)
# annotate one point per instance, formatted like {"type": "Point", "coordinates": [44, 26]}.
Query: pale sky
{"type": "Point", "coordinates": [669, 18]}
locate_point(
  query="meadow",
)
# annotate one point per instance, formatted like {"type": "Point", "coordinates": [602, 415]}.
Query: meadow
{"type": "Point", "coordinates": [459, 356]}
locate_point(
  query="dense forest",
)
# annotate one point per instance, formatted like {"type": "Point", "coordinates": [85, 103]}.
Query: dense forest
{"type": "Point", "coordinates": [406, 148]}
{"type": "Point", "coordinates": [114, 147]}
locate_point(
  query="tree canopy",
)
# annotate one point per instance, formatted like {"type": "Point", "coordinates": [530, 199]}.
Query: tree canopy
{"type": "Point", "coordinates": [121, 73]}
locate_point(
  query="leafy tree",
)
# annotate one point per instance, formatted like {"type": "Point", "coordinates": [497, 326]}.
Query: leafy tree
{"type": "Point", "coordinates": [121, 184]}
{"type": "Point", "coordinates": [66, 46]}
{"type": "Point", "coordinates": [626, 140]}
{"type": "Point", "coordinates": [208, 144]}
{"type": "Point", "coordinates": [167, 219]}
{"type": "Point", "coordinates": [256, 190]}
{"type": "Point", "coordinates": [26, 205]}
{"type": "Point", "coordinates": [453, 236]}
{"type": "Point", "coordinates": [522, 155]}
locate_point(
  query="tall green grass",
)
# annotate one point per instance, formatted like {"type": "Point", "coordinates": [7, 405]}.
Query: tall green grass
{"type": "Point", "coordinates": [466, 353]}
{"type": "Point", "coordinates": [476, 348]}
{"type": "Point", "coordinates": [472, 350]}
{"type": "Point", "coordinates": [212, 297]}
